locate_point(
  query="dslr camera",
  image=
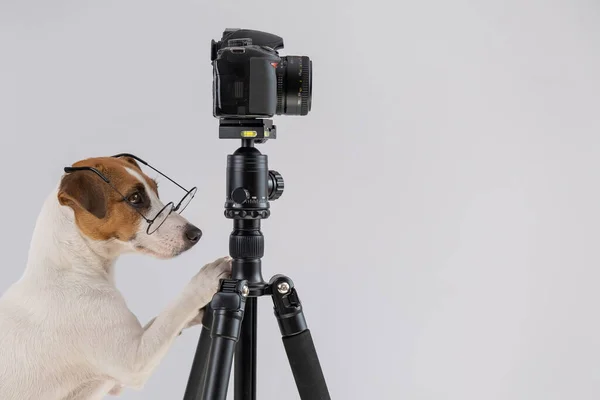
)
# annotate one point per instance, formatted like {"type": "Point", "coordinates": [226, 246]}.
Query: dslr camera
{"type": "Point", "coordinates": [251, 81]}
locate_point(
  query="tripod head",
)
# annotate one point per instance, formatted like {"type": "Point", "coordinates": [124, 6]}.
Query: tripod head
{"type": "Point", "coordinates": [250, 183]}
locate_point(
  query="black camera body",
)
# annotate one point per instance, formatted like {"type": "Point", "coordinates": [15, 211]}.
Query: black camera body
{"type": "Point", "coordinates": [252, 81]}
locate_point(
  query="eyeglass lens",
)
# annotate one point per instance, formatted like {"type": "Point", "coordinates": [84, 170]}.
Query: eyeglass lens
{"type": "Point", "coordinates": [160, 218]}
{"type": "Point", "coordinates": [186, 200]}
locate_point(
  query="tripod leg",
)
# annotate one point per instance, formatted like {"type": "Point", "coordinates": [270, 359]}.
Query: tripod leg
{"type": "Point", "coordinates": [245, 355]}
{"type": "Point", "coordinates": [228, 305]}
{"type": "Point", "coordinates": [195, 385]}
{"type": "Point", "coordinates": [298, 341]}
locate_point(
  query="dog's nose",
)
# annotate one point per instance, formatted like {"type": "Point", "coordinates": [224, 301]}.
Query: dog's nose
{"type": "Point", "coordinates": [192, 234]}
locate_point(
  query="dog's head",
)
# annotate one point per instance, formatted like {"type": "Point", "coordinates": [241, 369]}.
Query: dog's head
{"type": "Point", "coordinates": [116, 213]}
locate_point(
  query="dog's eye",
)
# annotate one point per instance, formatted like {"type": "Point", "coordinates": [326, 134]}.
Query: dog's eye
{"type": "Point", "coordinates": [135, 198]}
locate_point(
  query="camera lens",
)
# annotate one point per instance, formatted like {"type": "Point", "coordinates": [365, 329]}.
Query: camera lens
{"type": "Point", "coordinates": [294, 85]}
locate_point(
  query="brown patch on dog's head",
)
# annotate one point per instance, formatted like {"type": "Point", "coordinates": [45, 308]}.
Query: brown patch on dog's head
{"type": "Point", "coordinates": [100, 212]}
{"type": "Point", "coordinates": [151, 182]}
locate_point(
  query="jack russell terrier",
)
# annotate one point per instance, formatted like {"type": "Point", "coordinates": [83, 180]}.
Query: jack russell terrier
{"type": "Point", "coordinates": [65, 330]}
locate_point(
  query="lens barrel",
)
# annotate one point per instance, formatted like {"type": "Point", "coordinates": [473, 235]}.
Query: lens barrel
{"type": "Point", "coordinates": [294, 85]}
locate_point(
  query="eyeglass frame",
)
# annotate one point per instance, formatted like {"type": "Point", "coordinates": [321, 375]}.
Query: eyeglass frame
{"type": "Point", "coordinates": [193, 190]}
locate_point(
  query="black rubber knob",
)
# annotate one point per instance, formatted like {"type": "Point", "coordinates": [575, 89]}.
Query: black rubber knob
{"type": "Point", "coordinates": [240, 195]}
{"type": "Point", "coordinates": [277, 185]}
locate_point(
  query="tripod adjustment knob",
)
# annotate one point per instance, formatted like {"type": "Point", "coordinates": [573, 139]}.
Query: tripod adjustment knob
{"type": "Point", "coordinates": [240, 195]}
{"type": "Point", "coordinates": [276, 185]}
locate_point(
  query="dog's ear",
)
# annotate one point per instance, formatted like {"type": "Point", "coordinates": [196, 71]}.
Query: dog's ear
{"type": "Point", "coordinates": [83, 189]}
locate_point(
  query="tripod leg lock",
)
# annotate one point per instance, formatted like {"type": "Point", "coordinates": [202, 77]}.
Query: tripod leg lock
{"type": "Point", "coordinates": [227, 307]}
{"type": "Point", "coordinates": [287, 306]}
{"type": "Point", "coordinates": [297, 340]}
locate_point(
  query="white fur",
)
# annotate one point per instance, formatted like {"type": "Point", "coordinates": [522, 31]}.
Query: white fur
{"type": "Point", "coordinates": [66, 332]}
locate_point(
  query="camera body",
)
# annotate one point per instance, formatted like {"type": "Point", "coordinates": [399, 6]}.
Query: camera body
{"type": "Point", "coordinates": [251, 80]}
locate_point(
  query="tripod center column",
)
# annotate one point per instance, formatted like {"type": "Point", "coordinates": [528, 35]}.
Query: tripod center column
{"type": "Point", "coordinates": [247, 202]}
{"type": "Point", "coordinates": [246, 247]}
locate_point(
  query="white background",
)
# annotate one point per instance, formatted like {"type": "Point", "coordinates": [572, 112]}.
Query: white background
{"type": "Point", "coordinates": [440, 218]}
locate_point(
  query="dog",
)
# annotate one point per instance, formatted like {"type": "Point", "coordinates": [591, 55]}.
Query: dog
{"type": "Point", "coordinates": [66, 332]}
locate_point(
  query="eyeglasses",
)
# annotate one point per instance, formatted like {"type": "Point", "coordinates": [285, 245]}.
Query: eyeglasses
{"type": "Point", "coordinates": [163, 214]}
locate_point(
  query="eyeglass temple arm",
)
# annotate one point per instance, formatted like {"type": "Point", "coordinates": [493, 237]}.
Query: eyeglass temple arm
{"type": "Point", "coordinates": [131, 156]}
{"type": "Point", "coordinates": [94, 170]}
{"type": "Point", "coordinates": [148, 165]}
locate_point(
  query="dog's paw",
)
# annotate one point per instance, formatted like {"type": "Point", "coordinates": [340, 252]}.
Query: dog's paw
{"type": "Point", "coordinates": [206, 282]}
{"type": "Point", "coordinates": [212, 273]}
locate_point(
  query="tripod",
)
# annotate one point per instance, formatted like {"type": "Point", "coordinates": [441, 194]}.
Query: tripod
{"type": "Point", "coordinates": [229, 325]}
